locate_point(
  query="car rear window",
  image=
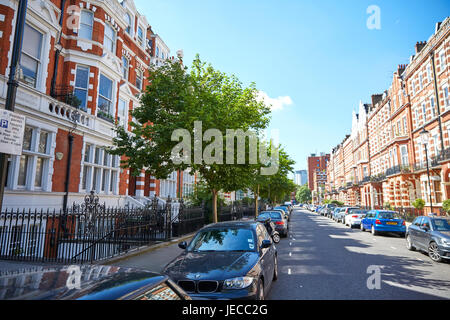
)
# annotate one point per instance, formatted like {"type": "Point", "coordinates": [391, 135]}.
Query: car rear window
{"type": "Point", "coordinates": [274, 215]}
{"type": "Point", "coordinates": [388, 215]}
{"type": "Point", "coordinates": [358, 211]}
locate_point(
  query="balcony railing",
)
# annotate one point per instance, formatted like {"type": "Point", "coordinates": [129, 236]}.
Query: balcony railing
{"type": "Point", "coordinates": [65, 94]}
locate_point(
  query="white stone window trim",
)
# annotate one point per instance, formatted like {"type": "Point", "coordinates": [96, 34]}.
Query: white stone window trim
{"type": "Point", "coordinates": [113, 92]}
{"type": "Point", "coordinates": [91, 166]}
{"type": "Point", "coordinates": [42, 72]}
{"type": "Point", "coordinates": [13, 173]}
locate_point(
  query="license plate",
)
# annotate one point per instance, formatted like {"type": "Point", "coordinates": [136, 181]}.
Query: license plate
{"type": "Point", "coordinates": [392, 223]}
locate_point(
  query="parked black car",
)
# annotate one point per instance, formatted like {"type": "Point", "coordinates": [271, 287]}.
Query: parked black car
{"type": "Point", "coordinates": [87, 282]}
{"type": "Point", "coordinates": [430, 234]}
{"type": "Point", "coordinates": [226, 260]}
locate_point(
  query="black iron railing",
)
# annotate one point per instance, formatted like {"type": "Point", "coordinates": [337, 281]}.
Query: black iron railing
{"type": "Point", "coordinates": [65, 94]}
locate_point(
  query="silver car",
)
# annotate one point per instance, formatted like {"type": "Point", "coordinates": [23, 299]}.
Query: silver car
{"type": "Point", "coordinates": [354, 216]}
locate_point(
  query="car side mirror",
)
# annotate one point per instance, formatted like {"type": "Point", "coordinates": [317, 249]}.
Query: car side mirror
{"type": "Point", "coordinates": [266, 244]}
{"type": "Point", "coordinates": [182, 245]}
{"type": "Point", "coordinates": [425, 228]}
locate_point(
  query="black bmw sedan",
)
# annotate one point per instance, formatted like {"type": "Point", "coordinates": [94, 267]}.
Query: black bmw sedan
{"type": "Point", "coordinates": [227, 260]}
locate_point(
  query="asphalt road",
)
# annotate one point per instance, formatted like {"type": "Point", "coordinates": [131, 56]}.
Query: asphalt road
{"type": "Point", "coordinates": [322, 259]}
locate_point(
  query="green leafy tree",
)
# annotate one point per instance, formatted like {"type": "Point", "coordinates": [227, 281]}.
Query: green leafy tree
{"type": "Point", "coordinates": [180, 100]}
{"type": "Point", "coordinates": [304, 194]}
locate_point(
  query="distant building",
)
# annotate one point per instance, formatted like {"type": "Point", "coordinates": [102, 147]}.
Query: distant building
{"type": "Point", "coordinates": [301, 177]}
{"type": "Point", "coordinates": [317, 170]}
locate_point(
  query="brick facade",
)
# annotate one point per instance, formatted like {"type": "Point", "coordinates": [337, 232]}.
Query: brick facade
{"type": "Point", "coordinates": [389, 154]}
{"type": "Point", "coordinates": [99, 61]}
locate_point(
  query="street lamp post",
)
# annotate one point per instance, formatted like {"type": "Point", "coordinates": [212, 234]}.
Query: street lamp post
{"type": "Point", "coordinates": [425, 136]}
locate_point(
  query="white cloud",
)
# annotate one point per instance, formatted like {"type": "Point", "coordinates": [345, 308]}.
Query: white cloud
{"type": "Point", "coordinates": [274, 103]}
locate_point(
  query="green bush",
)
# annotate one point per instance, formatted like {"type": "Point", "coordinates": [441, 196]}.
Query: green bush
{"type": "Point", "coordinates": [446, 206]}
{"type": "Point", "coordinates": [419, 204]}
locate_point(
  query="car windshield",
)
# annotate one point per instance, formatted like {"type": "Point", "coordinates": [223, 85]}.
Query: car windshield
{"type": "Point", "coordinates": [387, 215]}
{"type": "Point", "coordinates": [223, 239]}
{"type": "Point", "coordinates": [281, 208]}
{"type": "Point", "coordinates": [441, 224]}
{"type": "Point", "coordinates": [272, 215]}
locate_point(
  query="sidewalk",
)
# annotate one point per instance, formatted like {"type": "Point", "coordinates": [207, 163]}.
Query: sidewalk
{"type": "Point", "coordinates": [153, 258]}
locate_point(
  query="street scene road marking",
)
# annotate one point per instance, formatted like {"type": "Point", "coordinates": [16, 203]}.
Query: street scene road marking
{"type": "Point", "coordinates": [290, 254]}
{"type": "Point", "coordinates": [394, 248]}
{"type": "Point", "coordinates": [289, 271]}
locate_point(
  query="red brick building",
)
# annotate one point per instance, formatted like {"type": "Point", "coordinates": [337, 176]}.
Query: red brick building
{"type": "Point", "coordinates": [388, 148]}
{"type": "Point", "coordinates": [97, 52]}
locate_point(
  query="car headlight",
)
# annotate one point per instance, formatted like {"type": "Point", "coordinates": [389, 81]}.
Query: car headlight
{"type": "Point", "coordinates": [237, 283]}
{"type": "Point", "coordinates": [445, 242]}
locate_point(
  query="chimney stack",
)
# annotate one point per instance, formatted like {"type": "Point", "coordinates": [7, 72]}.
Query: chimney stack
{"type": "Point", "coordinates": [401, 68]}
{"type": "Point", "coordinates": [419, 46]}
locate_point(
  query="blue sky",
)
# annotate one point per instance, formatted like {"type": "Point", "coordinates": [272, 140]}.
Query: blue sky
{"type": "Point", "coordinates": [318, 56]}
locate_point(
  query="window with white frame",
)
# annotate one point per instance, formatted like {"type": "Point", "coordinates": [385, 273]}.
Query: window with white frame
{"type": "Point", "coordinates": [433, 107]}
{"type": "Point", "coordinates": [405, 125]}
{"type": "Point", "coordinates": [424, 111]}
{"type": "Point", "coordinates": [139, 79]}
{"type": "Point", "coordinates": [140, 35]}
{"type": "Point", "coordinates": [429, 75]}
{"type": "Point", "coordinates": [125, 67]}
{"type": "Point", "coordinates": [82, 85]}
{"type": "Point", "coordinates": [442, 60]}
{"type": "Point", "coordinates": [436, 144]}
{"type": "Point", "coordinates": [30, 60]}
{"type": "Point", "coordinates": [421, 81]}
{"type": "Point", "coordinates": [105, 98]}
{"type": "Point", "coordinates": [122, 113]}
{"type": "Point", "coordinates": [31, 170]}
{"type": "Point", "coordinates": [404, 155]}
{"type": "Point", "coordinates": [446, 98]}
{"type": "Point", "coordinates": [109, 41]}
{"type": "Point", "coordinates": [188, 183]}
{"type": "Point", "coordinates": [86, 24]}
{"type": "Point", "coordinates": [128, 22]}
{"type": "Point", "coordinates": [168, 186]}
{"type": "Point", "coordinates": [100, 171]}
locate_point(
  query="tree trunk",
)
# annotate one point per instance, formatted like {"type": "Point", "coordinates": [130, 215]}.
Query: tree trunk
{"type": "Point", "coordinates": [214, 193]}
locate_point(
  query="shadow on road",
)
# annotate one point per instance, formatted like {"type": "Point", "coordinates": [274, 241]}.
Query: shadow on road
{"type": "Point", "coordinates": [326, 262]}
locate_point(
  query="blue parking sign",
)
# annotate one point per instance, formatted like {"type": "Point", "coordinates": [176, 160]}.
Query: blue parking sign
{"type": "Point", "coordinates": [4, 123]}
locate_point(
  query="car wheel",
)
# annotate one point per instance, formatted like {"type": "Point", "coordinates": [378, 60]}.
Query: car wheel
{"type": "Point", "coordinates": [362, 227]}
{"type": "Point", "coordinates": [409, 244]}
{"type": "Point", "coordinates": [374, 232]}
{"type": "Point", "coordinates": [433, 252]}
{"type": "Point", "coordinates": [275, 269]}
{"type": "Point", "coordinates": [276, 238]}
{"type": "Point", "coordinates": [260, 292]}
